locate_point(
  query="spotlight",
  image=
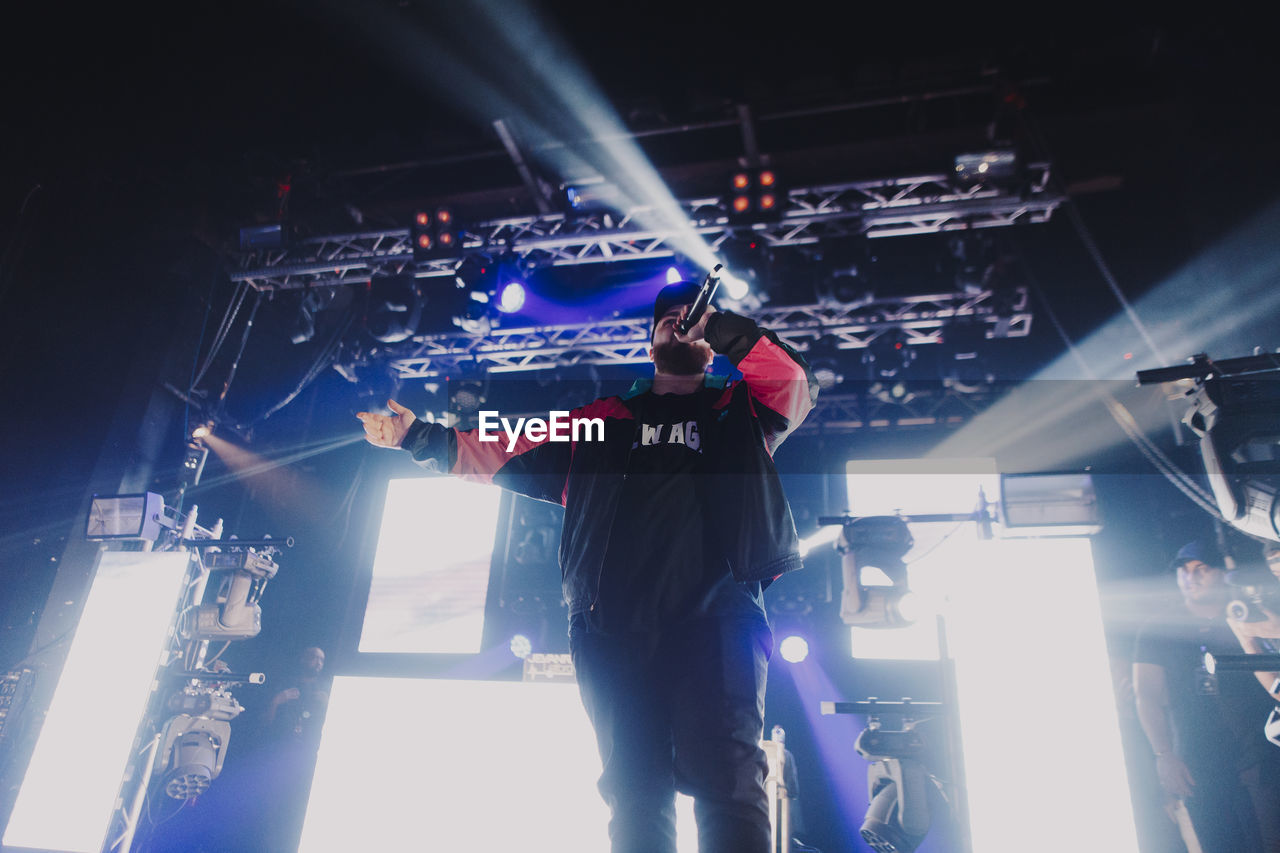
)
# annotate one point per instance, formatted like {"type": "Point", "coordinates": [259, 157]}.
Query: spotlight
{"type": "Point", "coordinates": [746, 259]}
{"type": "Point", "coordinates": [674, 276]}
{"type": "Point", "coordinates": [998, 166]}
{"type": "Point", "coordinates": [827, 373]}
{"type": "Point", "coordinates": [879, 543]}
{"type": "Point", "coordinates": [794, 648]}
{"type": "Point", "coordinates": [889, 354]}
{"type": "Point", "coordinates": [520, 646]}
{"type": "Point", "coordinates": [193, 463]}
{"type": "Point", "coordinates": [434, 234]}
{"type": "Point", "coordinates": [736, 288]}
{"type": "Point", "coordinates": [204, 430]}
{"type": "Point", "coordinates": [511, 297]}
{"type": "Point", "coordinates": [755, 196]}
{"type": "Point", "coordinates": [466, 396]}
{"type": "Point", "coordinates": [901, 788]}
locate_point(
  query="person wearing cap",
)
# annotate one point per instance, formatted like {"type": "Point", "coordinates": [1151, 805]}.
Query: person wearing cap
{"type": "Point", "coordinates": [675, 522]}
{"type": "Point", "coordinates": [1206, 730]}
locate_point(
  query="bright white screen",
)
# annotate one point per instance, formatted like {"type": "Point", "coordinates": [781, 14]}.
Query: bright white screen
{"type": "Point", "coordinates": [422, 764]}
{"type": "Point", "coordinates": [431, 570]}
{"type": "Point", "coordinates": [1037, 712]}
{"type": "Point", "coordinates": [918, 487]}
{"type": "Point", "coordinates": [69, 791]}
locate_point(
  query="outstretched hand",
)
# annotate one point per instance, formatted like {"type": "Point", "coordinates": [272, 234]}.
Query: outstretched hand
{"type": "Point", "coordinates": [387, 430]}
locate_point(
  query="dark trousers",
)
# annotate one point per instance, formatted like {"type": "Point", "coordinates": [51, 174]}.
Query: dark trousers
{"type": "Point", "coordinates": [680, 710]}
{"type": "Point", "coordinates": [1237, 813]}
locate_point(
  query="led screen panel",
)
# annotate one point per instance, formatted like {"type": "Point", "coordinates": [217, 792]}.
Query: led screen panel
{"type": "Point", "coordinates": [73, 779]}
{"type": "Point", "coordinates": [431, 569]}
{"type": "Point", "coordinates": [439, 764]}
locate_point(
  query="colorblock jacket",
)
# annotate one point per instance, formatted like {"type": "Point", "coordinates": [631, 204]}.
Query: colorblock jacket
{"type": "Point", "coordinates": [745, 421]}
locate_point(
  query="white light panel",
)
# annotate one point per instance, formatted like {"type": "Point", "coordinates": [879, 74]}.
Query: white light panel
{"type": "Point", "coordinates": [918, 487]}
{"type": "Point", "coordinates": [431, 569]}
{"type": "Point", "coordinates": [421, 764]}
{"type": "Point", "coordinates": [1037, 713]}
{"type": "Point", "coordinates": [70, 788]}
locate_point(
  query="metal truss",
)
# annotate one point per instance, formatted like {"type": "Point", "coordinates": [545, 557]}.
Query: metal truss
{"type": "Point", "coordinates": [921, 405]}
{"type": "Point", "coordinates": [920, 318]}
{"type": "Point", "coordinates": [919, 204]}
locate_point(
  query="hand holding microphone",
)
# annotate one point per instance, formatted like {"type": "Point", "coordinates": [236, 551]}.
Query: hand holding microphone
{"type": "Point", "coordinates": [700, 303]}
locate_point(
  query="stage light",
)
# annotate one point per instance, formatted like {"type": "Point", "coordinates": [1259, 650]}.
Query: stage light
{"type": "Point", "coordinates": [521, 647]}
{"type": "Point", "coordinates": [889, 354]}
{"type": "Point", "coordinates": [193, 460]}
{"type": "Point", "coordinates": [674, 276]}
{"type": "Point", "coordinates": [827, 373]}
{"type": "Point", "coordinates": [794, 648]}
{"type": "Point", "coordinates": [125, 517]}
{"type": "Point", "coordinates": [202, 431]}
{"type": "Point", "coordinates": [434, 235]}
{"type": "Point", "coordinates": [755, 196]}
{"type": "Point", "coordinates": [986, 167]}
{"type": "Point", "coordinates": [736, 288]}
{"type": "Point", "coordinates": [511, 298]}
{"type": "Point", "coordinates": [747, 259]}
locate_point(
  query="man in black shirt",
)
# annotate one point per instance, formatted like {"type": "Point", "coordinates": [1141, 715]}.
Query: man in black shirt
{"type": "Point", "coordinates": [1206, 730]}
{"type": "Point", "coordinates": [674, 522]}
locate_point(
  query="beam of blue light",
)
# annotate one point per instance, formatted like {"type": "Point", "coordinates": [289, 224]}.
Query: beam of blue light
{"type": "Point", "coordinates": [835, 737]}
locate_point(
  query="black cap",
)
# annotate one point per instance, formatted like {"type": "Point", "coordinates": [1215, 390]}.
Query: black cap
{"type": "Point", "coordinates": [680, 293]}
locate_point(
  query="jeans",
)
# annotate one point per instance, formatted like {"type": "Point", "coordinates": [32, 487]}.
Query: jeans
{"type": "Point", "coordinates": [681, 709]}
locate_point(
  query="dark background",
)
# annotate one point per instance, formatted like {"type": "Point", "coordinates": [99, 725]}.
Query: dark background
{"type": "Point", "coordinates": [138, 140]}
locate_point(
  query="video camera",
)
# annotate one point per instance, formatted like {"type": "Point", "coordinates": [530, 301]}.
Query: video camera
{"type": "Point", "coordinates": [1235, 411]}
{"type": "Point", "coordinates": [1256, 592]}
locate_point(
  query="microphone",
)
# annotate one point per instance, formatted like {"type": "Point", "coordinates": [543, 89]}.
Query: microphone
{"type": "Point", "coordinates": [699, 307]}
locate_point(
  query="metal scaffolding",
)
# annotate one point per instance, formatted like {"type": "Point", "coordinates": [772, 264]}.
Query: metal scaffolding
{"type": "Point", "coordinates": [916, 204]}
{"type": "Point", "coordinates": [921, 319]}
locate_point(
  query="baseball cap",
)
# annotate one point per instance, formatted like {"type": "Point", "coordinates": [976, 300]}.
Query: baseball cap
{"type": "Point", "coordinates": [1197, 550]}
{"type": "Point", "coordinates": [680, 293]}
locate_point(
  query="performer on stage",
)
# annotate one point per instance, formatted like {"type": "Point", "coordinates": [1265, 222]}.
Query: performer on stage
{"type": "Point", "coordinates": [675, 522]}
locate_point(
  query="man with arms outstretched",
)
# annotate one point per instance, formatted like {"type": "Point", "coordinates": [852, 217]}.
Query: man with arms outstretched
{"type": "Point", "coordinates": [674, 523]}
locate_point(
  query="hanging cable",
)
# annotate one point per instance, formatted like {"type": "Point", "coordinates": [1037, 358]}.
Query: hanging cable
{"type": "Point", "coordinates": [1122, 416]}
{"type": "Point", "coordinates": [1086, 237]}
{"type": "Point", "coordinates": [228, 320]}
{"type": "Point", "coordinates": [319, 365]}
{"type": "Point", "coordinates": [235, 365]}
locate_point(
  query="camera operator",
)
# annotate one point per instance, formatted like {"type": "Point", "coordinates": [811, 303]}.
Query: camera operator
{"type": "Point", "coordinates": [1206, 730]}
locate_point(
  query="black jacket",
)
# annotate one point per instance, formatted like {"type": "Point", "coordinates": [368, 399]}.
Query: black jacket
{"type": "Point", "coordinates": [747, 419]}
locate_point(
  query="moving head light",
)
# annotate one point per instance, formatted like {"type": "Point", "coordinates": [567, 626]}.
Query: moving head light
{"type": "Point", "coordinates": [1235, 412]}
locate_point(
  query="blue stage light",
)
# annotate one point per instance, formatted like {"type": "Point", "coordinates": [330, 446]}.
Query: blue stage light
{"type": "Point", "coordinates": [794, 648]}
{"type": "Point", "coordinates": [520, 646]}
{"type": "Point", "coordinates": [511, 298]}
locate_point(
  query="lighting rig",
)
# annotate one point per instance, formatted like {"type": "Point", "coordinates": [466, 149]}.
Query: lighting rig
{"type": "Point", "coordinates": [1234, 409]}
{"type": "Point", "coordinates": [191, 708]}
